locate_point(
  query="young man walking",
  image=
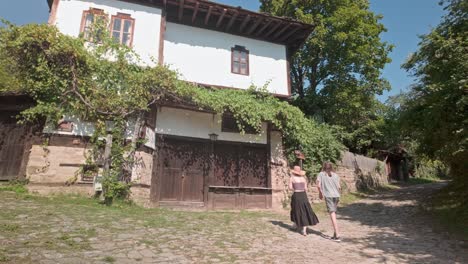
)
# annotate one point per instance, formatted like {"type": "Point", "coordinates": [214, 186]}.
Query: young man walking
{"type": "Point", "coordinates": [328, 183]}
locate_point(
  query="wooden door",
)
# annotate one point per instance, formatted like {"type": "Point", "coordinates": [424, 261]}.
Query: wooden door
{"type": "Point", "coordinates": [183, 168]}
{"type": "Point", "coordinates": [253, 166]}
{"type": "Point", "coordinates": [240, 165]}
{"type": "Point", "coordinates": [12, 142]}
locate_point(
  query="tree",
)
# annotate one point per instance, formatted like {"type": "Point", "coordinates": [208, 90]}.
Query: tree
{"type": "Point", "coordinates": [337, 73]}
{"type": "Point", "coordinates": [435, 111]}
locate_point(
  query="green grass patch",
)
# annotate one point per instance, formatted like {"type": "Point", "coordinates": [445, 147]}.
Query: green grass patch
{"type": "Point", "coordinates": [16, 187]}
{"type": "Point", "coordinates": [9, 227]}
{"type": "Point", "coordinates": [375, 190]}
{"type": "Point", "coordinates": [108, 259]}
{"type": "Point", "coordinates": [3, 257]}
{"type": "Point", "coordinates": [414, 181]}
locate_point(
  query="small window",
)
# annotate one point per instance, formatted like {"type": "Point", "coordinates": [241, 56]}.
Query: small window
{"type": "Point", "coordinates": [240, 60]}
{"type": "Point", "coordinates": [122, 29]}
{"type": "Point", "coordinates": [90, 17]}
{"type": "Point", "coordinates": [229, 124]}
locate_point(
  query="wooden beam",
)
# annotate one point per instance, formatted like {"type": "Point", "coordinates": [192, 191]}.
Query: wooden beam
{"type": "Point", "coordinates": [195, 11]}
{"type": "Point", "coordinates": [181, 9]}
{"type": "Point", "coordinates": [246, 20]}
{"type": "Point", "coordinates": [273, 29]}
{"type": "Point", "coordinates": [287, 35]}
{"type": "Point", "coordinates": [53, 12]}
{"type": "Point", "coordinates": [264, 27]}
{"type": "Point", "coordinates": [277, 34]}
{"type": "Point", "coordinates": [254, 26]}
{"type": "Point", "coordinates": [233, 18]}
{"type": "Point", "coordinates": [162, 33]}
{"type": "Point", "coordinates": [220, 19]}
{"type": "Point", "coordinates": [208, 14]}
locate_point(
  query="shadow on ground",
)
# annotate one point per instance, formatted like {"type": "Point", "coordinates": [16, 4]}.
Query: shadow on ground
{"type": "Point", "coordinates": [294, 230]}
{"type": "Point", "coordinates": [400, 230]}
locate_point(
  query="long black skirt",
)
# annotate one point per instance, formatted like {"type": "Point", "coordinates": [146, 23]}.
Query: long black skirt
{"type": "Point", "coordinates": [301, 211]}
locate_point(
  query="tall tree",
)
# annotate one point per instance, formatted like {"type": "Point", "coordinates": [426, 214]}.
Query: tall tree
{"type": "Point", "coordinates": [337, 72]}
{"type": "Point", "coordinates": [435, 111]}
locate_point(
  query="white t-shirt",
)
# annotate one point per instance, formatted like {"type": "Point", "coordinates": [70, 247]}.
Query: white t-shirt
{"type": "Point", "coordinates": [330, 185]}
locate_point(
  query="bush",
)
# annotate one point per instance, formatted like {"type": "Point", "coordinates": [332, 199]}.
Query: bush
{"type": "Point", "coordinates": [430, 169]}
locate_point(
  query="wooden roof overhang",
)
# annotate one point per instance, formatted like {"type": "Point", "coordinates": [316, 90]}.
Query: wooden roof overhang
{"type": "Point", "coordinates": [237, 21]}
{"type": "Point", "coordinates": [233, 20]}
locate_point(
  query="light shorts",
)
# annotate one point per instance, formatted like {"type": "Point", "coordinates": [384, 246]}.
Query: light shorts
{"type": "Point", "coordinates": [332, 203]}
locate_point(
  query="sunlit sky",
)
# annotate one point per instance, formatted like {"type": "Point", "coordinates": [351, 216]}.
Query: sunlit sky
{"type": "Point", "coordinates": [405, 20]}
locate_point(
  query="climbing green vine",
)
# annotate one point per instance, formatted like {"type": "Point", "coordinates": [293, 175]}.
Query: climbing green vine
{"type": "Point", "coordinates": [67, 76]}
{"type": "Point", "coordinates": [254, 106]}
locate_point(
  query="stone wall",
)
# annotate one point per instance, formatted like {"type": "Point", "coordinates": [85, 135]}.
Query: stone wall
{"type": "Point", "coordinates": [54, 164]}
{"type": "Point", "coordinates": [279, 173]}
{"type": "Point", "coordinates": [140, 195]}
{"type": "Point", "coordinates": [55, 168]}
{"type": "Point", "coordinates": [143, 168]}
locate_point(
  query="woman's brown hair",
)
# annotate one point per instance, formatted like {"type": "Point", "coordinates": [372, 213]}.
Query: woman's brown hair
{"type": "Point", "coordinates": [328, 164]}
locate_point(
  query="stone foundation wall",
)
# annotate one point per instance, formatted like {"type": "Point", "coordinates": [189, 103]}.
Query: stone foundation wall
{"type": "Point", "coordinates": [279, 172]}
{"type": "Point", "coordinates": [60, 162]}
{"type": "Point", "coordinates": [141, 195]}
{"type": "Point", "coordinates": [280, 192]}
{"type": "Point", "coordinates": [54, 164]}
{"type": "Point", "coordinates": [143, 169]}
{"type": "Point", "coordinates": [55, 169]}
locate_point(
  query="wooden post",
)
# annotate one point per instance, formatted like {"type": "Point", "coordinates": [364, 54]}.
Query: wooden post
{"type": "Point", "coordinates": [107, 153]}
{"type": "Point", "coordinates": [210, 176]}
{"type": "Point", "coordinates": [300, 156]}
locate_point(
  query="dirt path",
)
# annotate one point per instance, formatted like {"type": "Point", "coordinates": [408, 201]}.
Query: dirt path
{"type": "Point", "coordinates": [385, 228]}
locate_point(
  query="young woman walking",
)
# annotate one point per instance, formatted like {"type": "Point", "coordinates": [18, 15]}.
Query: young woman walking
{"type": "Point", "coordinates": [301, 211]}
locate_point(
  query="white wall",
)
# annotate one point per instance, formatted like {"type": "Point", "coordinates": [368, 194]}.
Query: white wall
{"type": "Point", "coordinates": [80, 127]}
{"type": "Point", "coordinates": [179, 122]}
{"type": "Point", "coordinates": [277, 152]}
{"type": "Point", "coordinates": [146, 29]}
{"type": "Point", "coordinates": [84, 128]}
{"type": "Point", "coordinates": [204, 56]}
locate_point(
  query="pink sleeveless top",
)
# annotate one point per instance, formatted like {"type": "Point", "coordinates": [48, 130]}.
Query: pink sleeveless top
{"type": "Point", "coordinates": [298, 186]}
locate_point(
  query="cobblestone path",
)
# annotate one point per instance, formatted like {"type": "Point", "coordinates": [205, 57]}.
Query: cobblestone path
{"type": "Point", "coordinates": [384, 228]}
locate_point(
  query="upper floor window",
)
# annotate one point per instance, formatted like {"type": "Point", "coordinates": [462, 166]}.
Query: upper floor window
{"type": "Point", "coordinates": [122, 28]}
{"type": "Point", "coordinates": [89, 19]}
{"type": "Point", "coordinates": [240, 60]}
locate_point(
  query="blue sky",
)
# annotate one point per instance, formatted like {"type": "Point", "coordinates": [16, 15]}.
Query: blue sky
{"type": "Point", "coordinates": [404, 19]}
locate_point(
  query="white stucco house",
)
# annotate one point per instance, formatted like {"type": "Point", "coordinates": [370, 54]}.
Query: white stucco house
{"type": "Point", "coordinates": [194, 158]}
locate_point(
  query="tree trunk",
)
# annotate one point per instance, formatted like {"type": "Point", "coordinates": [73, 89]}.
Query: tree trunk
{"type": "Point", "coordinates": [128, 168]}
{"type": "Point", "coordinates": [107, 152]}
{"type": "Point", "coordinates": [136, 130]}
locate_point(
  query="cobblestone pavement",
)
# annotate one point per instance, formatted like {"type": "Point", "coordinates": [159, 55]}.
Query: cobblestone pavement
{"type": "Point", "coordinates": [384, 228]}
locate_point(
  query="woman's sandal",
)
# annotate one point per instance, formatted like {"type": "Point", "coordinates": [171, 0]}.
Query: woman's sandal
{"type": "Point", "coordinates": [304, 233]}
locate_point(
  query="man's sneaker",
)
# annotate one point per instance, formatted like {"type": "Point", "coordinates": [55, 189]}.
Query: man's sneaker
{"type": "Point", "coordinates": [335, 238]}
